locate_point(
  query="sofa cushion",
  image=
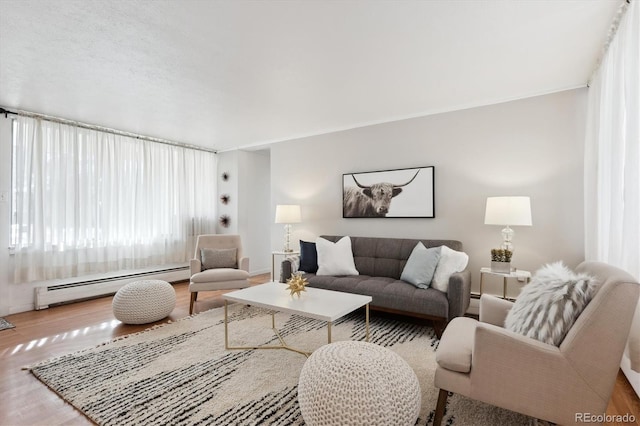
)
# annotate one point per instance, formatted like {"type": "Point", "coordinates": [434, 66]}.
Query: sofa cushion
{"type": "Point", "coordinates": [308, 257]}
{"type": "Point", "coordinates": [548, 306]}
{"type": "Point", "coordinates": [387, 293]}
{"type": "Point", "coordinates": [451, 261]}
{"type": "Point", "coordinates": [335, 258]}
{"type": "Point", "coordinates": [421, 265]}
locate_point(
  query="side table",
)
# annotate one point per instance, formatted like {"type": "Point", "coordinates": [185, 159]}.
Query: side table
{"type": "Point", "coordinates": [273, 260]}
{"type": "Point", "coordinates": [520, 275]}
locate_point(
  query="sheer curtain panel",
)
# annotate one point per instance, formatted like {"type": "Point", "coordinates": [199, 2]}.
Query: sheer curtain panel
{"type": "Point", "coordinates": [612, 152]}
{"type": "Point", "coordinates": [86, 201]}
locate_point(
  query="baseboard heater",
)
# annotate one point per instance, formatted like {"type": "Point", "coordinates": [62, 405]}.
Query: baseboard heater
{"type": "Point", "coordinates": [86, 288]}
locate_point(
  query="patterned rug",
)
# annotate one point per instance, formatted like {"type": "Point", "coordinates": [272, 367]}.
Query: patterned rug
{"type": "Point", "coordinates": [4, 324]}
{"type": "Point", "coordinates": [180, 373]}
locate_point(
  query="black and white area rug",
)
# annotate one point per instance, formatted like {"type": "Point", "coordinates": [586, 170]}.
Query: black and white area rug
{"type": "Point", "coordinates": [180, 373]}
{"type": "Point", "coordinates": [5, 325]}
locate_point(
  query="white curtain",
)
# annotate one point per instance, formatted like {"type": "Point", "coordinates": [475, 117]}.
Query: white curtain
{"type": "Point", "coordinates": [86, 201]}
{"type": "Point", "coordinates": [612, 152]}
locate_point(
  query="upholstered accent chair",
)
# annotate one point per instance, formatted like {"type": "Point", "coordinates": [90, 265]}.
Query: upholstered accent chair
{"type": "Point", "coordinates": [218, 264]}
{"type": "Point", "coordinates": [484, 361]}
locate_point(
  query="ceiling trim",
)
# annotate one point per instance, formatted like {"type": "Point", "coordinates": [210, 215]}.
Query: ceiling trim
{"type": "Point", "coordinates": [53, 119]}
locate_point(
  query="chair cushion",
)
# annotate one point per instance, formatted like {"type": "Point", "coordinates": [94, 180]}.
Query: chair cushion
{"type": "Point", "coordinates": [548, 306]}
{"type": "Point", "coordinates": [456, 345]}
{"type": "Point", "coordinates": [220, 274]}
{"type": "Point", "coordinates": [218, 258]}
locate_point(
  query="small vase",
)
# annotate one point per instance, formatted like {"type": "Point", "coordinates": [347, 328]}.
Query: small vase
{"type": "Point", "coordinates": [501, 267]}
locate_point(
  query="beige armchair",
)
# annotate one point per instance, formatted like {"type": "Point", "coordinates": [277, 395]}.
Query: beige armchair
{"type": "Point", "coordinates": [483, 361]}
{"type": "Point", "coordinates": [232, 275]}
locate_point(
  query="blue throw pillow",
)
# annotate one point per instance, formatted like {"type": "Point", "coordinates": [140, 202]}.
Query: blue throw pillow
{"type": "Point", "coordinates": [308, 257]}
{"type": "Point", "coordinates": [421, 266]}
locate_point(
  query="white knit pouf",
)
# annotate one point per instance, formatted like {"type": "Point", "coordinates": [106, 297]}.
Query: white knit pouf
{"type": "Point", "coordinates": [358, 383]}
{"type": "Point", "coordinates": [142, 302]}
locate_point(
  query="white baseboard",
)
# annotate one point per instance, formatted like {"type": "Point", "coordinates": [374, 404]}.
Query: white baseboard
{"type": "Point", "coordinates": [22, 308]}
{"type": "Point", "coordinates": [260, 272]}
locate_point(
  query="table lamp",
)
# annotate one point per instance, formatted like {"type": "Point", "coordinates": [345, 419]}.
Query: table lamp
{"type": "Point", "coordinates": [508, 211]}
{"type": "Point", "coordinates": [287, 214]}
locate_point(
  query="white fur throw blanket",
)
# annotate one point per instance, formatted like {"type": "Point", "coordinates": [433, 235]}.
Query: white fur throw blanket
{"type": "Point", "coordinates": [549, 305]}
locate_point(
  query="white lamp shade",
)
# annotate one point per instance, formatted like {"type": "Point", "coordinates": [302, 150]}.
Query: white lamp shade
{"type": "Point", "coordinates": [511, 211]}
{"type": "Point", "coordinates": [288, 213]}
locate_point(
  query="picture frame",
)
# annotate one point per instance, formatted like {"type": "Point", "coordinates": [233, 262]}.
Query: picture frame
{"type": "Point", "coordinates": [396, 193]}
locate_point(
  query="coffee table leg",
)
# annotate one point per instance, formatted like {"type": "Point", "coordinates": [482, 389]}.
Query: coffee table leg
{"type": "Point", "coordinates": [226, 331]}
{"type": "Point", "coordinates": [367, 320]}
{"type": "Point", "coordinates": [329, 332]}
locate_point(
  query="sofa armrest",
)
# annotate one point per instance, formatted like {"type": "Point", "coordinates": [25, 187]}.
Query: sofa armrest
{"type": "Point", "coordinates": [285, 270]}
{"type": "Point", "coordinates": [244, 264]}
{"type": "Point", "coordinates": [494, 310]}
{"type": "Point", "coordinates": [459, 293]}
{"type": "Point", "coordinates": [195, 266]}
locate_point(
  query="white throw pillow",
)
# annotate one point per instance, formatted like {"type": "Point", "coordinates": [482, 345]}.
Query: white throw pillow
{"type": "Point", "coordinates": [335, 258]}
{"type": "Point", "coordinates": [451, 261]}
{"type": "Point", "coordinates": [548, 306]}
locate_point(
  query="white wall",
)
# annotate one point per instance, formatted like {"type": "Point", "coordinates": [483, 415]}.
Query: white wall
{"type": "Point", "coordinates": [255, 218]}
{"type": "Point", "coordinates": [528, 147]}
{"type": "Point", "coordinates": [248, 208]}
{"type": "Point", "coordinates": [228, 163]}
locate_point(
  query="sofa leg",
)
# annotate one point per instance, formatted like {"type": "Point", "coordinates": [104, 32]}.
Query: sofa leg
{"type": "Point", "coordinates": [438, 327]}
{"type": "Point", "coordinates": [442, 403]}
{"type": "Point", "coordinates": [194, 297]}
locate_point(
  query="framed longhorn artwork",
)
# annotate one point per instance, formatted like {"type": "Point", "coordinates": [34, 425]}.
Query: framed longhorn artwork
{"type": "Point", "coordinates": [399, 193]}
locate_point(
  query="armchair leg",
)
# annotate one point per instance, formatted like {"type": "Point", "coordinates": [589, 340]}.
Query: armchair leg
{"type": "Point", "coordinates": [194, 297]}
{"type": "Point", "coordinates": [442, 403]}
{"type": "Point", "coordinates": [439, 326]}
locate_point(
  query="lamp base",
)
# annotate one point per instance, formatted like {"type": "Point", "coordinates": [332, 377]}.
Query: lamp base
{"type": "Point", "coordinates": [287, 238]}
{"type": "Point", "coordinates": [507, 236]}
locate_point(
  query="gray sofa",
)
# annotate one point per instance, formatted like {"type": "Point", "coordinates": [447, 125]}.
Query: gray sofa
{"type": "Point", "coordinates": [380, 262]}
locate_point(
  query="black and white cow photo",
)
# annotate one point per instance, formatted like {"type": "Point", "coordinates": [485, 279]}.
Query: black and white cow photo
{"type": "Point", "coordinates": [401, 193]}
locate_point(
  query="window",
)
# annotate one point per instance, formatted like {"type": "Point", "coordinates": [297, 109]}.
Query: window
{"type": "Point", "coordinates": [86, 201]}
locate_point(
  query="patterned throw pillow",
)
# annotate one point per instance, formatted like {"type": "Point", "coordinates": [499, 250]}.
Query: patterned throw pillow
{"type": "Point", "coordinates": [549, 305]}
{"type": "Point", "coordinates": [218, 258]}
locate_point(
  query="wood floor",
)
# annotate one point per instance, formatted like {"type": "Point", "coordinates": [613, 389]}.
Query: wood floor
{"type": "Point", "coordinates": [40, 335]}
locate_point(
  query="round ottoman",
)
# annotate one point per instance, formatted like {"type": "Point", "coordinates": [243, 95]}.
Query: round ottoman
{"type": "Point", "coordinates": [142, 302]}
{"type": "Point", "coordinates": [358, 383]}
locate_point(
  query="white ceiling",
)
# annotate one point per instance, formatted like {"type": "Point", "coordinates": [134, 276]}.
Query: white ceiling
{"type": "Point", "coordinates": [225, 74]}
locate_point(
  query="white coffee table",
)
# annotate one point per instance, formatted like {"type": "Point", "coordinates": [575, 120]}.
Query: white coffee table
{"type": "Point", "coordinates": [323, 305]}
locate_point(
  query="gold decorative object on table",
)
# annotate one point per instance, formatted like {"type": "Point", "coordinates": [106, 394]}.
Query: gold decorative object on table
{"type": "Point", "coordinates": [296, 284]}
